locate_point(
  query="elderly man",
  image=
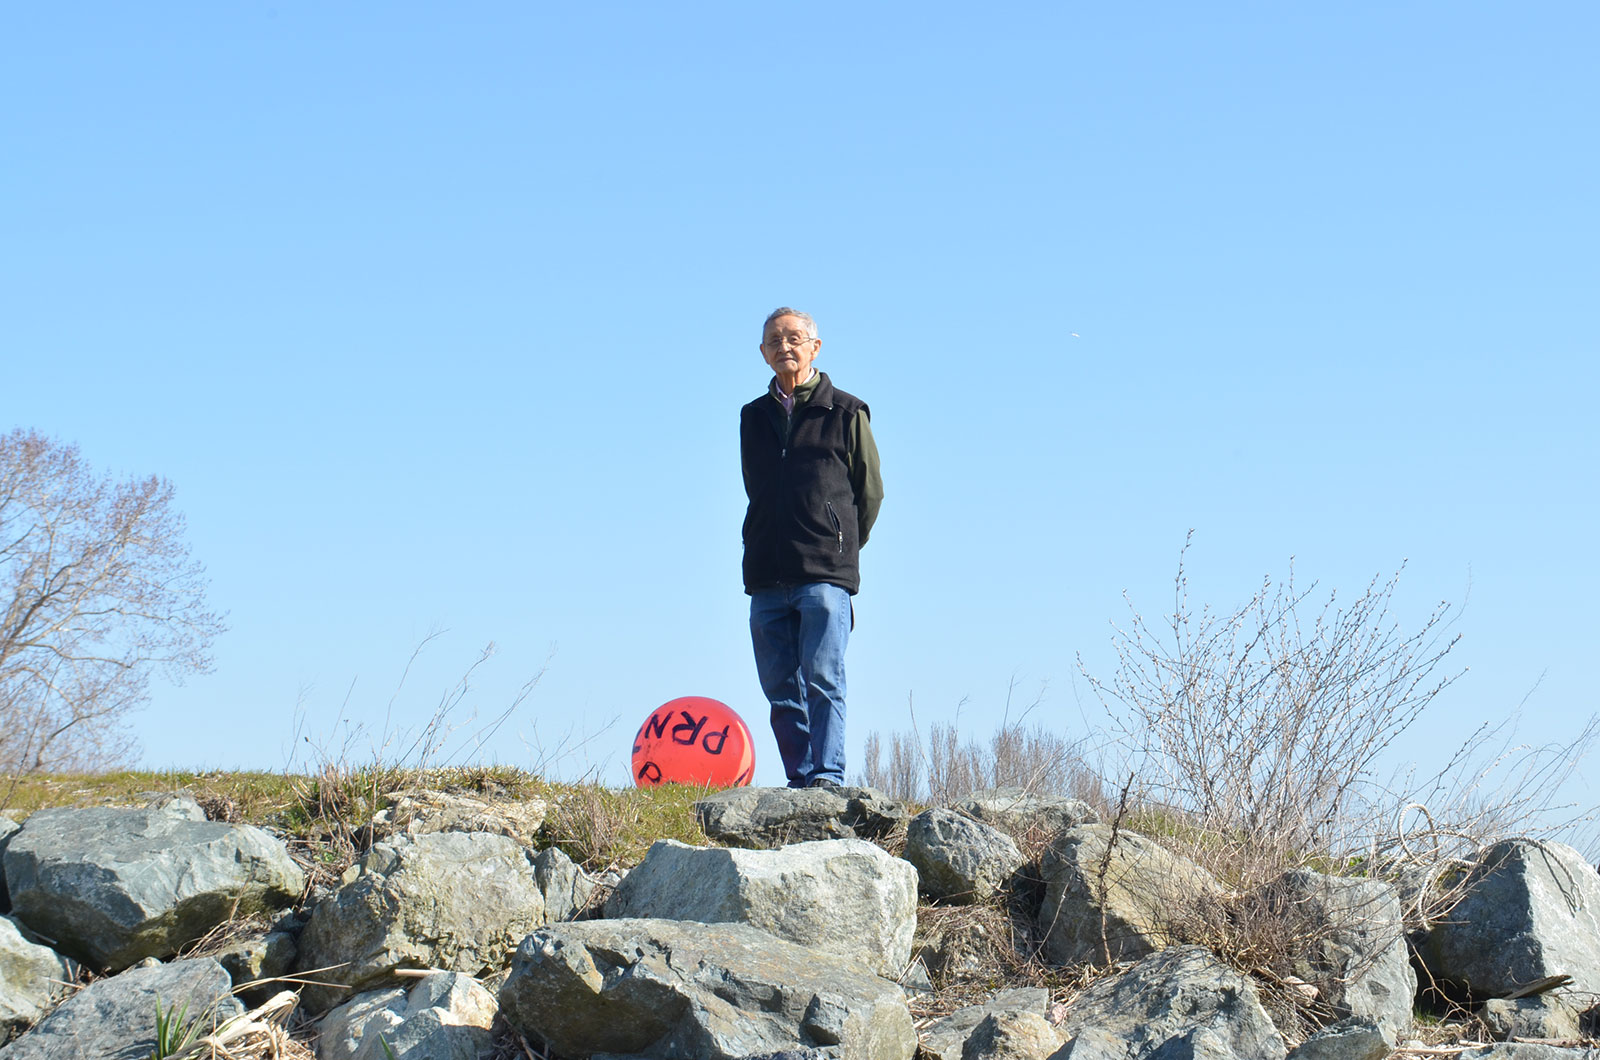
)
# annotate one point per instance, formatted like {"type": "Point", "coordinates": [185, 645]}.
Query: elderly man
{"type": "Point", "coordinates": [811, 473]}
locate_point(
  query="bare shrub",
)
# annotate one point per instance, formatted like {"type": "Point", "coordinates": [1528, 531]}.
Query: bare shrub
{"type": "Point", "coordinates": [871, 773]}
{"type": "Point", "coordinates": [901, 777]}
{"type": "Point", "coordinates": [905, 766]}
{"type": "Point", "coordinates": [949, 768]}
{"type": "Point", "coordinates": [1255, 735]}
{"type": "Point", "coordinates": [97, 593]}
{"type": "Point", "coordinates": [952, 766]}
{"type": "Point", "coordinates": [1260, 727]}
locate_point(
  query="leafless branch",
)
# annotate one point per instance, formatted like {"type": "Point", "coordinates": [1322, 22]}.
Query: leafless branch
{"type": "Point", "coordinates": [98, 592]}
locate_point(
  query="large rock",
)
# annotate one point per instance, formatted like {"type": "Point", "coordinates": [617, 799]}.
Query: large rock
{"type": "Point", "coordinates": [1181, 1002]}
{"type": "Point", "coordinates": [455, 901]}
{"type": "Point", "coordinates": [32, 978]}
{"type": "Point", "coordinates": [1012, 1036]}
{"type": "Point", "coordinates": [1531, 909]}
{"type": "Point", "coordinates": [445, 1016]}
{"type": "Point", "coordinates": [1352, 1038]}
{"type": "Point", "coordinates": [1549, 1015]}
{"type": "Point", "coordinates": [1348, 939]}
{"type": "Point", "coordinates": [115, 1018]}
{"type": "Point", "coordinates": [946, 1038]}
{"type": "Point", "coordinates": [114, 886]}
{"type": "Point", "coordinates": [840, 896]}
{"type": "Point", "coordinates": [669, 990]}
{"type": "Point", "coordinates": [958, 859]}
{"type": "Point", "coordinates": [1138, 899]}
{"type": "Point", "coordinates": [421, 812]}
{"type": "Point", "coordinates": [567, 889]}
{"type": "Point", "coordinates": [256, 961]}
{"type": "Point", "coordinates": [1024, 814]}
{"type": "Point", "coordinates": [8, 828]}
{"type": "Point", "coordinates": [761, 818]}
{"type": "Point", "coordinates": [1529, 1051]}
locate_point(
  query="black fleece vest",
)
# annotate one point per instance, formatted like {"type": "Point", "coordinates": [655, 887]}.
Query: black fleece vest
{"type": "Point", "coordinates": [801, 524]}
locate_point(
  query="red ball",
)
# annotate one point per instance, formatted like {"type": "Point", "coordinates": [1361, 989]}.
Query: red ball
{"type": "Point", "coordinates": [694, 740]}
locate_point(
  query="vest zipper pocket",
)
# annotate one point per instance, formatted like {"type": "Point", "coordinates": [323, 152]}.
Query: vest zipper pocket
{"type": "Point", "coordinates": [837, 528]}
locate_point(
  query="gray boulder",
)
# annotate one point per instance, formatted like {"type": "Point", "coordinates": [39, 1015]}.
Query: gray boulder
{"type": "Point", "coordinates": [455, 901]}
{"type": "Point", "coordinates": [567, 889]}
{"type": "Point", "coordinates": [1135, 900]}
{"type": "Point", "coordinates": [1012, 1036]}
{"type": "Point", "coordinates": [258, 958]}
{"type": "Point", "coordinates": [177, 803]}
{"type": "Point", "coordinates": [445, 1016]}
{"type": "Point", "coordinates": [1094, 1043]}
{"type": "Point", "coordinates": [761, 818]}
{"type": "Point", "coordinates": [1181, 1002]}
{"type": "Point", "coordinates": [1531, 910]}
{"type": "Point", "coordinates": [958, 859]}
{"type": "Point", "coordinates": [1548, 1015]}
{"type": "Point", "coordinates": [115, 1018]}
{"type": "Point", "coordinates": [8, 828]}
{"type": "Point", "coordinates": [113, 886]}
{"type": "Point", "coordinates": [1529, 1051]}
{"type": "Point", "coordinates": [916, 979]}
{"type": "Point", "coordinates": [664, 989]}
{"type": "Point", "coordinates": [946, 1038]}
{"type": "Point", "coordinates": [840, 896]}
{"type": "Point", "coordinates": [1354, 1038]}
{"type": "Point", "coordinates": [1349, 942]}
{"type": "Point", "coordinates": [1025, 814]}
{"type": "Point", "coordinates": [32, 978]}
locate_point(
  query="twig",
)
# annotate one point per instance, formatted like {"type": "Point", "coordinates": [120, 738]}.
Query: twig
{"type": "Point", "coordinates": [1105, 866]}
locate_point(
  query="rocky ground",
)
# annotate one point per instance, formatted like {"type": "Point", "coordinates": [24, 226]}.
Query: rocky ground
{"type": "Point", "coordinates": [473, 917]}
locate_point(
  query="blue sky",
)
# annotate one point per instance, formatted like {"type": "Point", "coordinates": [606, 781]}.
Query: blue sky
{"type": "Point", "coordinates": [441, 319]}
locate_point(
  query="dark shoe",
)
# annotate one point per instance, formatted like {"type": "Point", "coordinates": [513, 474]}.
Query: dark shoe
{"type": "Point", "coordinates": [822, 782]}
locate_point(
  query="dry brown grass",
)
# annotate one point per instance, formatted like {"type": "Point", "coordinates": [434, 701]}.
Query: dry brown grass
{"type": "Point", "coordinates": [606, 828]}
{"type": "Point", "coordinates": [262, 1033]}
{"type": "Point", "coordinates": [973, 951]}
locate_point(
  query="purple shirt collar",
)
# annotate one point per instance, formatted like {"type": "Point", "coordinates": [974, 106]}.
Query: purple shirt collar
{"type": "Point", "coordinates": [787, 400]}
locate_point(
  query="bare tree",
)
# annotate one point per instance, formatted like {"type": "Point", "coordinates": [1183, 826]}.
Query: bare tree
{"type": "Point", "coordinates": [97, 593]}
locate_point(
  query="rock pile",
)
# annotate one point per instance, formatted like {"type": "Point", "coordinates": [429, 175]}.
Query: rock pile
{"type": "Point", "coordinates": [791, 940]}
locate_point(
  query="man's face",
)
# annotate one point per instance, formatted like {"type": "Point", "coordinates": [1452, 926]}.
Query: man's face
{"type": "Point", "coordinates": [788, 349]}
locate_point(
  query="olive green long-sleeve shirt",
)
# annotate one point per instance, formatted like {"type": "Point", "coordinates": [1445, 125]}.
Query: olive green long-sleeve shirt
{"type": "Point", "coordinates": [861, 458]}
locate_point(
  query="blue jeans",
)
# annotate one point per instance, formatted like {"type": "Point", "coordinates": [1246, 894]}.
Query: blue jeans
{"type": "Point", "coordinates": [799, 633]}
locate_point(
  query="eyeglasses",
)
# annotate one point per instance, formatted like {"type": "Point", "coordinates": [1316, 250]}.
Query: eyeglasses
{"type": "Point", "coordinates": [778, 342]}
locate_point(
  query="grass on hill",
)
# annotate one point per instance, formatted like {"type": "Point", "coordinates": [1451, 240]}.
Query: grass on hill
{"type": "Point", "coordinates": [324, 815]}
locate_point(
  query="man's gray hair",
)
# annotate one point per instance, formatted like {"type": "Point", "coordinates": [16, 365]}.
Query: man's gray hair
{"type": "Point", "coordinates": [785, 311]}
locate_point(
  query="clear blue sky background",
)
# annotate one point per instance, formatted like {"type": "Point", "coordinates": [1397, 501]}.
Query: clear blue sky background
{"type": "Point", "coordinates": [443, 317]}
